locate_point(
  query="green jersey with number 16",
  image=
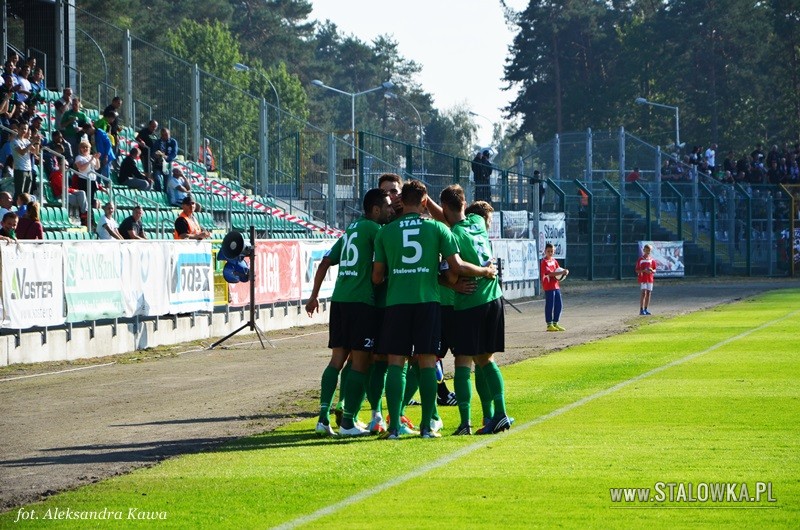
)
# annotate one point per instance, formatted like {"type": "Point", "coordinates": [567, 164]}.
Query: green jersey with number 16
{"type": "Point", "coordinates": [410, 248]}
{"type": "Point", "coordinates": [474, 247]}
{"type": "Point", "coordinates": [353, 253]}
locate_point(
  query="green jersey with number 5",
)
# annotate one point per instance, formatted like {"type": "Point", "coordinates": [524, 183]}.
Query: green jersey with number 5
{"type": "Point", "coordinates": [353, 253]}
{"type": "Point", "coordinates": [410, 247]}
{"type": "Point", "coordinates": [474, 247]}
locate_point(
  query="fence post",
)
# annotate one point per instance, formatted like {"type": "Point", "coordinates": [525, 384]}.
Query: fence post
{"type": "Point", "coordinates": [771, 254]}
{"type": "Point", "coordinates": [263, 146]}
{"type": "Point", "coordinates": [622, 161]}
{"type": "Point", "coordinates": [409, 159]}
{"type": "Point", "coordinates": [59, 68]}
{"type": "Point", "coordinates": [127, 79]}
{"type": "Point", "coordinates": [196, 141]}
{"type": "Point", "coordinates": [589, 163]}
{"type": "Point", "coordinates": [557, 158]}
{"type": "Point", "coordinates": [332, 181]}
{"type": "Point", "coordinates": [657, 198]}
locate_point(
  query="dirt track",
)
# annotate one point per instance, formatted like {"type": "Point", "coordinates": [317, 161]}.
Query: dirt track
{"type": "Point", "coordinates": [62, 430]}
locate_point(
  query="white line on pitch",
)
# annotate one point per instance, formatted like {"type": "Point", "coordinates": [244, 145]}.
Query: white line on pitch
{"type": "Point", "coordinates": [56, 373]}
{"type": "Point", "coordinates": [374, 490]}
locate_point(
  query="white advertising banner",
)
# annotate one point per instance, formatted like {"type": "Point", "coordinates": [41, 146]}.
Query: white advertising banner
{"type": "Point", "coordinates": [33, 280]}
{"type": "Point", "coordinates": [93, 284]}
{"type": "Point", "coordinates": [515, 224]}
{"type": "Point", "coordinates": [553, 229]}
{"type": "Point", "coordinates": [311, 254]}
{"type": "Point", "coordinates": [494, 228]}
{"type": "Point", "coordinates": [519, 259]}
{"type": "Point", "coordinates": [191, 277]}
{"type": "Point", "coordinates": [145, 265]}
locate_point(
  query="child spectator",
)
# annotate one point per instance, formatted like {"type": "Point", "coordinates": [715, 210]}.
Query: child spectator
{"type": "Point", "coordinates": [645, 269]}
{"type": "Point", "coordinates": [551, 272]}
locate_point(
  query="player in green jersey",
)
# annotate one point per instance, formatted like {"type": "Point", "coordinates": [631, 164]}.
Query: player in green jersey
{"type": "Point", "coordinates": [407, 254]}
{"type": "Point", "coordinates": [479, 316]}
{"type": "Point", "coordinates": [353, 323]}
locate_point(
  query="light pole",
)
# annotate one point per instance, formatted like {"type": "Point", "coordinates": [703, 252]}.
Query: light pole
{"type": "Point", "coordinates": [392, 95]}
{"type": "Point", "coordinates": [678, 144]}
{"type": "Point", "coordinates": [485, 118]}
{"type": "Point", "coordinates": [239, 67]}
{"type": "Point", "coordinates": [386, 85]}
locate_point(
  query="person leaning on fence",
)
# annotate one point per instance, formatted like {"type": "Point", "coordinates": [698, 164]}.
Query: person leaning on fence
{"type": "Point", "coordinates": [22, 150]}
{"type": "Point", "coordinates": [29, 226]}
{"type": "Point", "coordinates": [186, 225]}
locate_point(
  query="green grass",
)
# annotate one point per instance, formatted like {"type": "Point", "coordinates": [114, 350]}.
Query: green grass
{"type": "Point", "coordinates": [729, 414]}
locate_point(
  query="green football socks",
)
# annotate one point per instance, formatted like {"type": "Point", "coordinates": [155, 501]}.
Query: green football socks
{"type": "Point", "coordinates": [497, 388]}
{"type": "Point", "coordinates": [395, 388]}
{"type": "Point", "coordinates": [327, 389]}
{"type": "Point", "coordinates": [427, 393]}
{"type": "Point", "coordinates": [463, 389]}
{"type": "Point", "coordinates": [485, 395]}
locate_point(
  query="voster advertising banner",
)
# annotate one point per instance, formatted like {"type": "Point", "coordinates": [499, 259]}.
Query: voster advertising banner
{"type": "Point", "coordinates": [668, 256]}
{"type": "Point", "coordinates": [276, 274]}
{"type": "Point", "coordinates": [33, 280]}
{"type": "Point", "coordinates": [93, 284]}
{"type": "Point", "coordinates": [553, 229]}
{"type": "Point", "coordinates": [311, 254]}
{"type": "Point", "coordinates": [191, 281]}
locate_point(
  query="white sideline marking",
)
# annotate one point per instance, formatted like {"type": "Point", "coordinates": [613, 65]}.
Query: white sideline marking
{"type": "Point", "coordinates": [486, 440]}
{"type": "Point", "coordinates": [56, 373]}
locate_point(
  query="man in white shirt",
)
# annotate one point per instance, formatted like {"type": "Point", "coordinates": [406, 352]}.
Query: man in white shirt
{"type": "Point", "coordinates": [107, 227]}
{"type": "Point", "coordinates": [711, 158]}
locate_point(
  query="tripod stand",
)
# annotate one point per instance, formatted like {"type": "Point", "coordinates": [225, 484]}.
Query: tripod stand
{"type": "Point", "coordinates": [251, 324]}
{"type": "Point", "coordinates": [500, 282]}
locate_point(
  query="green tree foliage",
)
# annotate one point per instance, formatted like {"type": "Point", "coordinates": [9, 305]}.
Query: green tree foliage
{"type": "Point", "coordinates": [731, 68]}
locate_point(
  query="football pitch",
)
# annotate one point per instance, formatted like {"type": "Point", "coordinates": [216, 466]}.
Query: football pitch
{"type": "Point", "coordinates": [685, 422]}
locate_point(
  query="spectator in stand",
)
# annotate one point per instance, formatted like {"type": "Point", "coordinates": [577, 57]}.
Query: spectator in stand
{"type": "Point", "coordinates": [102, 145]}
{"type": "Point", "coordinates": [71, 123]}
{"type": "Point", "coordinates": [794, 173]}
{"type": "Point", "coordinates": [167, 145]}
{"type": "Point", "coordinates": [107, 227]}
{"type": "Point", "coordinates": [85, 164]}
{"type": "Point", "coordinates": [131, 226]}
{"type": "Point", "coordinates": [22, 150]}
{"type": "Point", "coordinates": [29, 226]}
{"type": "Point", "coordinates": [57, 141]}
{"type": "Point", "coordinates": [711, 159]}
{"type": "Point", "coordinates": [178, 187]}
{"type": "Point", "coordinates": [62, 105]}
{"type": "Point", "coordinates": [729, 164]}
{"type": "Point", "coordinates": [207, 156]}
{"type": "Point", "coordinates": [37, 85]}
{"type": "Point", "coordinates": [22, 204]}
{"type": "Point", "coordinates": [186, 226]}
{"type": "Point", "coordinates": [115, 106]}
{"type": "Point", "coordinates": [783, 170]}
{"type": "Point", "coordinates": [773, 174]}
{"type": "Point", "coordinates": [5, 150]}
{"type": "Point", "coordinates": [23, 85]}
{"type": "Point", "coordinates": [146, 138]}
{"type": "Point", "coordinates": [634, 176]}
{"type": "Point", "coordinates": [76, 198]}
{"type": "Point", "coordinates": [6, 203]}
{"type": "Point", "coordinates": [129, 174]}
{"type": "Point", "coordinates": [8, 231]}
{"type": "Point", "coordinates": [161, 171]}
{"type": "Point", "coordinates": [105, 123]}
{"type": "Point", "coordinates": [773, 156]}
{"type": "Point", "coordinates": [757, 156]}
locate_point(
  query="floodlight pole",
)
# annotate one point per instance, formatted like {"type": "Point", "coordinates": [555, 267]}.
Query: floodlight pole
{"type": "Point", "coordinates": [644, 101]}
{"type": "Point", "coordinates": [251, 324]}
